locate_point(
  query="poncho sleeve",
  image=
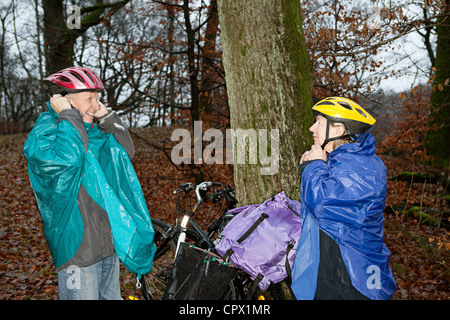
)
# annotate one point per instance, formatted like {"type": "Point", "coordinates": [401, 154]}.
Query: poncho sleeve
{"type": "Point", "coordinates": [55, 154]}
{"type": "Point", "coordinates": [344, 195]}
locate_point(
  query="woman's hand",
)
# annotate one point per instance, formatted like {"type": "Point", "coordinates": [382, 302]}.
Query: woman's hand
{"type": "Point", "coordinates": [315, 153]}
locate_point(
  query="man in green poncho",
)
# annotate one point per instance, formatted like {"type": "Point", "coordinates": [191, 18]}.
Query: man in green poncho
{"type": "Point", "coordinates": [89, 197]}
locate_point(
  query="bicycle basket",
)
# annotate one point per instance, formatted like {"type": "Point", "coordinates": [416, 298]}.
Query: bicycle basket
{"type": "Point", "coordinates": [198, 275]}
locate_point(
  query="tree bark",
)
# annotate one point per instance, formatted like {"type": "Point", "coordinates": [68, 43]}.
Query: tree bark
{"type": "Point", "coordinates": [60, 40]}
{"type": "Point", "coordinates": [268, 81]}
{"type": "Point", "coordinates": [437, 142]}
{"type": "Point", "coordinates": [58, 52]}
{"type": "Point", "coordinates": [192, 65]}
{"type": "Point", "coordinates": [207, 71]}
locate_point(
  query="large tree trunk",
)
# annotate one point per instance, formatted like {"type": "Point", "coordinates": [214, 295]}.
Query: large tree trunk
{"type": "Point", "coordinates": [438, 144]}
{"type": "Point", "coordinates": [58, 46]}
{"type": "Point", "coordinates": [269, 87]}
{"type": "Point", "coordinates": [192, 67]}
{"type": "Point", "coordinates": [207, 70]}
{"type": "Point", "coordinates": [60, 40]}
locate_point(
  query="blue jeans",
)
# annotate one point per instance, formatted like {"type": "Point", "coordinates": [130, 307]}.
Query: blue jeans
{"type": "Point", "coordinates": [99, 281]}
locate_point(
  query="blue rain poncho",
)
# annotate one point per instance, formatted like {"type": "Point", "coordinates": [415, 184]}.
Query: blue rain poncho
{"type": "Point", "coordinates": [58, 163]}
{"type": "Point", "coordinates": [345, 198]}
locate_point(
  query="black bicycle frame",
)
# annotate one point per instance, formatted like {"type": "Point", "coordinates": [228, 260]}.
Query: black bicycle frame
{"type": "Point", "coordinates": [174, 231]}
{"type": "Point", "coordinates": [203, 238]}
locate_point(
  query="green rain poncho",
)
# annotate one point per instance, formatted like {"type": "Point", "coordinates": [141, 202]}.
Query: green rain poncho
{"type": "Point", "coordinates": [58, 163]}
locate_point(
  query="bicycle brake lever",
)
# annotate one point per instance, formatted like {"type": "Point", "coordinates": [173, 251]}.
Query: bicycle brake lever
{"type": "Point", "coordinates": [188, 186]}
{"type": "Point", "coordinates": [204, 185]}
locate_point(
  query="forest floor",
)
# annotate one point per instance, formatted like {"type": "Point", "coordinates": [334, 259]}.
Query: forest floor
{"type": "Point", "coordinates": [420, 249]}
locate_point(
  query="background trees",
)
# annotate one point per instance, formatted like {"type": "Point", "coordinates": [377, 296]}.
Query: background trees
{"type": "Point", "coordinates": [437, 140]}
{"type": "Point", "coordinates": [144, 50]}
{"type": "Point", "coordinates": [161, 62]}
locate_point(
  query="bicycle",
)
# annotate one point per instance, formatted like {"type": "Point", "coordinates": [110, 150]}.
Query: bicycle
{"type": "Point", "coordinates": [169, 238]}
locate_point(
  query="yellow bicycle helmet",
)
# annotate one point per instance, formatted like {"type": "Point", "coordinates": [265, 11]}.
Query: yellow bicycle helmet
{"type": "Point", "coordinates": [336, 109]}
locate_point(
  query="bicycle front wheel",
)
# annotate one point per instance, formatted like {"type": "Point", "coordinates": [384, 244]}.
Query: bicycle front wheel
{"type": "Point", "coordinates": [154, 283]}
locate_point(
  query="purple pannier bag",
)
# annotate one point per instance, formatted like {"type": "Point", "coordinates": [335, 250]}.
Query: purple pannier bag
{"type": "Point", "coordinates": [262, 239]}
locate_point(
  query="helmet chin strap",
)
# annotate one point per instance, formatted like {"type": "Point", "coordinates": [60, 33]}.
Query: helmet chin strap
{"type": "Point", "coordinates": [328, 140]}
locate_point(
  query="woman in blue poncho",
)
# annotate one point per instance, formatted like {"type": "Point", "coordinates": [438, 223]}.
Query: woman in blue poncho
{"type": "Point", "coordinates": [341, 254]}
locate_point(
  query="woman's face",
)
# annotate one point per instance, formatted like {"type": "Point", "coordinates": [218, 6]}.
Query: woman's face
{"type": "Point", "coordinates": [319, 131]}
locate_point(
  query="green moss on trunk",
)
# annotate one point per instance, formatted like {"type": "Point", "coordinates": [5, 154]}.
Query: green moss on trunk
{"type": "Point", "coordinates": [437, 142]}
{"type": "Point", "coordinates": [269, 87]}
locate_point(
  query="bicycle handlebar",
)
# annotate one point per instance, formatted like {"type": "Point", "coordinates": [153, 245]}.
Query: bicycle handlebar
{"type": "Point", "coordinates": [227, 192]}
{"type": "Point", "coordinates": [189, 186]}
{"type": "Point", "coordinates": [204, 186]}
{"type": "Point", "coordinates": [186, 187]}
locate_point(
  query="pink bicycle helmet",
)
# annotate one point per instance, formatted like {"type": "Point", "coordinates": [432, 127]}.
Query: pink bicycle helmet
{"type": "Point", "coordinates": [74, 79]}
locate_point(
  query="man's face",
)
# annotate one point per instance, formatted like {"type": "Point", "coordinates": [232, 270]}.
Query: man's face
{"type": "Point", "coordinates": [86, 102]}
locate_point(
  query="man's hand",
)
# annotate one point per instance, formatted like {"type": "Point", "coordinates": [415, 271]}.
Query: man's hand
{"type": "Point", "coordinates": [59, 103]}
{"type": "Point", "coordinates": [102, 111]}
{"type": "Point", "coordinates": [315, 153]}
